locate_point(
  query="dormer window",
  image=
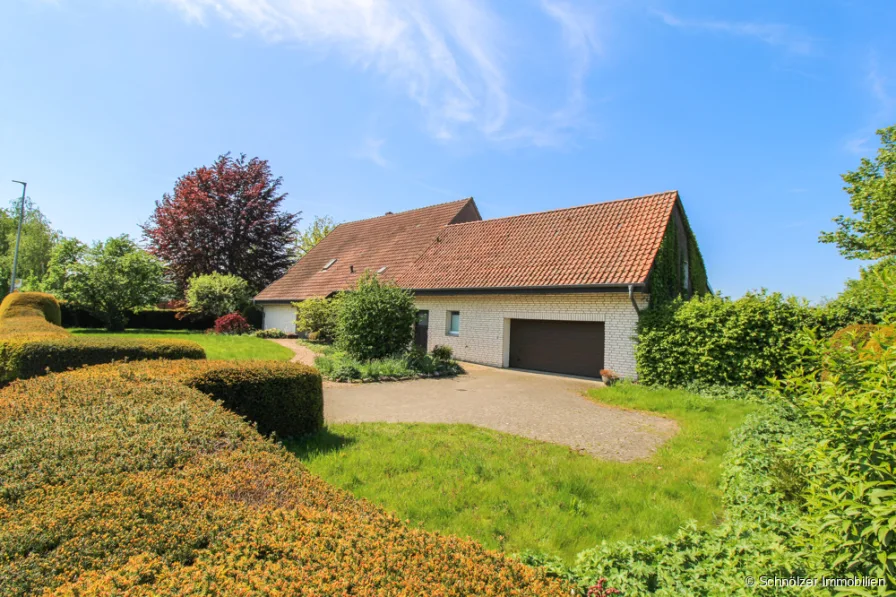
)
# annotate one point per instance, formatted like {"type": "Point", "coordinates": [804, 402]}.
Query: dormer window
{"type": "Point", "coordinates": [329, 264]}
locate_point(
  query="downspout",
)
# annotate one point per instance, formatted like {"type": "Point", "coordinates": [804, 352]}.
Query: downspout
{"type": "Point", "coordinates": [631, 297]}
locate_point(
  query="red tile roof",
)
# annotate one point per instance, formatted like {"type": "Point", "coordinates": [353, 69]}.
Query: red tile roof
{"type": "Point", "coordinates": [393, 241]}
{"type": "Point", "coordinates": [448, 246]}
{"type": "Point", "coordinates": [601, 244]}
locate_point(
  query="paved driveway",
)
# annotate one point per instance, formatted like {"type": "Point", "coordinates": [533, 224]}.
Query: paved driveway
{"type": "Point", "coordinates": [538, 406]}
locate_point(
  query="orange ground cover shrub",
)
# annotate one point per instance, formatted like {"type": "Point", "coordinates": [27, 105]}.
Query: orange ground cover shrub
{"type": "Point", "coordinates": [118, 485]}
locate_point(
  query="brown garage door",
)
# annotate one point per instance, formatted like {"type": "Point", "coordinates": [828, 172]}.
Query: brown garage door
{"type": "Point", "coordinates": [571, 347]}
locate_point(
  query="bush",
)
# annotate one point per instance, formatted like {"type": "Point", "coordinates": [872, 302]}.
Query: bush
{"type": "Point", "coordinates": [286, 398]}
{"type": "Point", "coordinates": [711, 340]}
{"type": "Point", "coordinates": [118, 486]}
{"type": "Point", "coordinates": [30, 345]}
{"type": "Point", "coordinates": [31, 304]}
{"type": "Point", "coordinates": [341, 366]}
{"type": "Point", "coordinates": [376, 319]}
{"type": "Point", "coordinates": [851, 490]}
{"type": "Point", "coordinates": [441, 352]}
{"type": "Point", "coordinates": [232, 324]}
{"type": "Point", "coordinates": [317, 316]}
{"type": "Point", "coordinates": [216, 295]}
{"type": "Point", "coordinates": [270, 333]}
{"type": "Point", "coordinates": [142, 319]}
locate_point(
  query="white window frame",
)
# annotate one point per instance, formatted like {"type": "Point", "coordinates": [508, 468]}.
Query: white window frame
{"type": "Point", "coordinates": [448, 330]}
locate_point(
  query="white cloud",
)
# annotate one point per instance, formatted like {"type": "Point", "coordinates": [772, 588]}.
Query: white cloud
{"type": "Point", "coordinates": [773, 34]}
{"type": "Point", "coordinates": [879, 88]}
{"type": "Point", "coordinates": [449, 56]}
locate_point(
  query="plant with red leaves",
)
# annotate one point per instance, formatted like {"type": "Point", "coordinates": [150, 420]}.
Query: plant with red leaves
{"type": "Point", "coordinates": [232, 324]}
{"type": "Point", "coordinates": [224, 218]}
{"type": "Point", "coordinates": [602, 590]}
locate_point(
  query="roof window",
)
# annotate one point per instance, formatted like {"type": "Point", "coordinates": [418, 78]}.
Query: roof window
{"type": "Point", "coordinates": [329, 264]}
{"type": "Point", "coordinates": [382, 269]}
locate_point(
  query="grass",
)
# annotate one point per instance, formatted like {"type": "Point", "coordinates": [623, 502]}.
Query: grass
{"type": "Point", "coordinates": [237, 348]}
{"type": "Point", "coordinates": [515, 494]}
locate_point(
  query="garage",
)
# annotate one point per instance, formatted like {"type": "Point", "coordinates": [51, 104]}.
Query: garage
{"type": "Point", "coordinates": [569, 347]}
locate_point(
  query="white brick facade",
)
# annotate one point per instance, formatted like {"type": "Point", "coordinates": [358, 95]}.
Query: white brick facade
{"type": "Point", "coordinates": [484, 335]}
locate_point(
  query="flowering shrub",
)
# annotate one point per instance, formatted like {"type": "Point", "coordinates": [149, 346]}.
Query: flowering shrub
{"type": "Point", "coordinates": [232, 324]}
{"type": "Point", "coordinates": [117, 484]}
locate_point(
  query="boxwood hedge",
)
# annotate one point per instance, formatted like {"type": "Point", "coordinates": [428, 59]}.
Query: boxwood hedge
{"type": "Point", "coordinates": [286, 398]}
{"type": "Point", "coordinates": [32, 343]}
{"type": "Point", "coordinates": [137, 487]}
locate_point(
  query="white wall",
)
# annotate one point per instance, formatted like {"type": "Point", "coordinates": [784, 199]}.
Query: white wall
{"type": "Point", "coordinates": [485, 323]}
{"type": "Point", "coordinates": [280, 316]}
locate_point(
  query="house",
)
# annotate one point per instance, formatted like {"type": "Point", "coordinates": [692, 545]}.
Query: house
{"type": "Point", "coordinates": [556, 291]}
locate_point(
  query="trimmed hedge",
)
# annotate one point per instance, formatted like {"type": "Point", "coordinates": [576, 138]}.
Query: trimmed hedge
{"type": "Point", "coordinates": [31, 345]}
{"type": "Point", "coordinates": [115, 486]}
{"type": "Point", "coordinates": [286, 398]}
{"type": "Point", "coordinates": [144, 319]}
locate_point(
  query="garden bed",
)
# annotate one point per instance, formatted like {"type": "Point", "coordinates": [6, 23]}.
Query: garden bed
{"type": "Point", "coordinates": [336, 365]}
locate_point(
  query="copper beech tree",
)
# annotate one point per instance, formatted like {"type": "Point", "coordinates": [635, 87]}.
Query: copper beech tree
{"type": "Point", "coordinates": [224, 218]}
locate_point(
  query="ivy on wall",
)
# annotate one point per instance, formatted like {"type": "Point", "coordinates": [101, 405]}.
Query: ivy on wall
{"type": "Point", "coordinates": [667, 278]}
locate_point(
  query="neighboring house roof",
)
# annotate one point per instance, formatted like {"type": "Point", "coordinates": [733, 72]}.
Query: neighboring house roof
{"type": "Point", "coordinates": [393, 241]}
{"type": "Point", "coordinates": [612, 243]}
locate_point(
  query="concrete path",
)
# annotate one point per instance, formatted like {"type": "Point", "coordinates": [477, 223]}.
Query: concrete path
{"type": "Point", "coordinates": [534, 405]}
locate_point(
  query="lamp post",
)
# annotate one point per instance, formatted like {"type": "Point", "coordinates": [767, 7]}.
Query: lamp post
{"type": "Point", "coordinates": [15, 257]}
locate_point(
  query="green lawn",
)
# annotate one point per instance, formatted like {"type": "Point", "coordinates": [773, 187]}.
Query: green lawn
{"type": "Point", "coordinates": [239, 348]}
{"type": "Point", "coordinates": [515, 494]}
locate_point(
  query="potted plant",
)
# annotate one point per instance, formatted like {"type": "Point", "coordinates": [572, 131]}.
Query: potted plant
{"type": "Point", "coordinates": [609, 376]}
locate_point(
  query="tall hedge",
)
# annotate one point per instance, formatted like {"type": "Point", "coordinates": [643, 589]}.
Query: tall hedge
{"type": "Point", "coordinates": [718, 341]}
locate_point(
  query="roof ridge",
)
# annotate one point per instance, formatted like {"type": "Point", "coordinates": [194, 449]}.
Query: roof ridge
{"type": "Point", "coordinates": [407, 211]}
{"type": "Point", "coordinates": [559, 209]}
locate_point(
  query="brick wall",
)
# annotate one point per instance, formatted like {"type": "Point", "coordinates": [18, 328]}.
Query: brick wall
{"type": "Point", "coordinates": [485, 323]}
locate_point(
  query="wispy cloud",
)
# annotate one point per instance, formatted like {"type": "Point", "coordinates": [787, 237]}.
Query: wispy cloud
{"type": "Point", "coordinates": [372, 150]}
{"type": "Point", "coordinates": [449, 56]}
{"type": "Point", "coordinates": [879, 88]}
{"type": "Point", "coordinates": [780, 35]}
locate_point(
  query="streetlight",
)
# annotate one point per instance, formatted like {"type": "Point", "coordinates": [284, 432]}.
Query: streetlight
{"type": "Point", "coordinates": [15, 257]}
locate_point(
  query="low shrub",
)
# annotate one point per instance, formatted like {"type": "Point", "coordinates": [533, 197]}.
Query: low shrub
{"type": "Point", "coordinates": [318, 316]}
{"type": "Point", "coordinates": [441, 352]}
{"type": "Point", "coordinates": [127, 487]}
{"type": "Point", "coordinates": [174, 318]}
{"type": "Point", "coordinates": [341, 366]}
{"type": "Point", "coordinates": [270, 333]}
{"type": "Point", "coordinates": [232, 324]}
{"type": "Point", "coordinates": [31, 345]}
{"type": "Point", "coordinates": [286, 398]}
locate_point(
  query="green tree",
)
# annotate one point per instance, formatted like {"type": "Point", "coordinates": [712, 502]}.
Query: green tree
{"type": "Point", "coordinates": [869, 299]}
{"type": "Point", "coordinates": [35, 248]}
{"type": "Point", "coordinates": [313, 234]}
{"type": "Point", "coordinates": [65, 254]}
{"type": "Point", "coordinates": [872, 192]}
{"type": "Point", "coordinates": [115, 277]}
{"type": "Point", "coordinates": [218, 294]}
{"type": "Point", "coordinates": [376, 319]}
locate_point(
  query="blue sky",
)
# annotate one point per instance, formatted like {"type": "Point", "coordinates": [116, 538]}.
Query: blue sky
{"type": "Point", "coordinates": [751, 110]}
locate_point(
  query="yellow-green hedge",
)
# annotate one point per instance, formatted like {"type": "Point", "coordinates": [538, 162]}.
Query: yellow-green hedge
{"type": "Point", "coordinates": [116, 486]}
{"type": "Point", "coordinates": [31, 342]}
{"type": "Point", "coordinates": [286, 398]}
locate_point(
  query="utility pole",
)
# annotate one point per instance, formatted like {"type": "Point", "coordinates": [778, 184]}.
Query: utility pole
{"type": "Point", "coordinates": [15, 258]}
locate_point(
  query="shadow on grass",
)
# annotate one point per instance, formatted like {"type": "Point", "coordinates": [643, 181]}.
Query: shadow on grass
{"type": "Point", "coordinates": [315, 444]}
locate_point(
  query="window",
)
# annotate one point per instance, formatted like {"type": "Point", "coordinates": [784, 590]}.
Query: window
{"type": "Point", "coordinates": [329, 264]}
{"type": "Point", "coordinates": [453, 323]}
{"type": "Point", "coordinates": [382, 269]}
{"type": "Point", "coordinates": [686, 274]}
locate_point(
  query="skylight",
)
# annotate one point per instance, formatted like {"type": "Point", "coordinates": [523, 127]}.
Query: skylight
{"type": "Point", "coordinates": [329, 264]}
{"type": "Point", "coordinates": [382, 269]}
